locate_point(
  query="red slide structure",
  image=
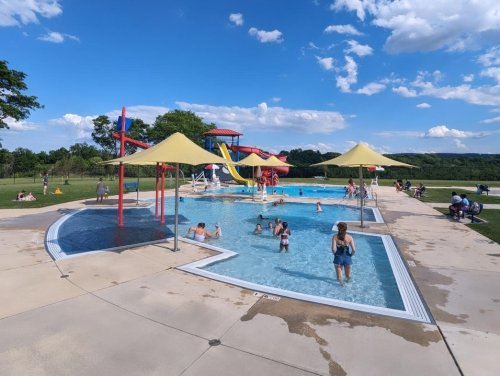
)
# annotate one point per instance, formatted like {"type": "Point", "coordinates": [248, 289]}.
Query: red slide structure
{"type": "Point", "coordinates": [266, 171]}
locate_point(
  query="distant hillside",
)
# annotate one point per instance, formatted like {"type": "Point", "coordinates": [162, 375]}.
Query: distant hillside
{"type": "Point", "coordinates": [440, 166]}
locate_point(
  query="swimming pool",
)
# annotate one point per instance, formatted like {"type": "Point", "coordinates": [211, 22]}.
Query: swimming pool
{"type": "Point", "coordinates": [381, 284]}
{"type": "Point", "coordinates": [311, 191]}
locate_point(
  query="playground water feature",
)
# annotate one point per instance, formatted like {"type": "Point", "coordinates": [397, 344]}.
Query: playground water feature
{"type": "Point", "coordinates": [306, 272]}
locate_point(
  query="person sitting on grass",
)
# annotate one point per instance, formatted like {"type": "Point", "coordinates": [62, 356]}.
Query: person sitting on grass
{"type": "Point", "coordinates": [21, 195]}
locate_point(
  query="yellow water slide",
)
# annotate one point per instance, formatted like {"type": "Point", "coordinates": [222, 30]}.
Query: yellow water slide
{"type": "Point", "coordinates": [232, 170]}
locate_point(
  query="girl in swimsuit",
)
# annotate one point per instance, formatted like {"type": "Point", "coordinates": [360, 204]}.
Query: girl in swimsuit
{"type": "Point", "coordinates": [343, 249]}
{"type": "Point", "coordinates": [284, 233]}
{"type": "Point", "coordinates": [199, 232]}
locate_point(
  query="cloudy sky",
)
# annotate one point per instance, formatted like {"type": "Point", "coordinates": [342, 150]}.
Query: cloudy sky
{"type": "Point", "coordinates": [401, 76]}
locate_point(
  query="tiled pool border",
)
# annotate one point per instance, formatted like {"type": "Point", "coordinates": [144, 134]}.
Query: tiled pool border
{"type": "Point", "coordinates": [415, 309]}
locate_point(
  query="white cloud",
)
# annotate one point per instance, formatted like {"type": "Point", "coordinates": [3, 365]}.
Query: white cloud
{"type": "Point", "coordinates": [371, 88]}
{"type": "Point", "coordinates": [146, 113]}
{"type": "Point", "coordinates": [359, 6]}
{"type": "Point", "coordinates": [491, 120]}
{"type": "Point", "coordinates": [236, 18]}
{"type": "Point", "coordinates": [55, 37]}
{"type": "Point", "coordinates": [263, 118]}
{"type": "Point", "coordinates": [423, 105]}
{"type": "Point", "coordinates": [492, 57]}
{"type": "Point", "coordinates": [319, 146]}
{"type": "Point", "coordinates": [82, 124]}
{"type": "Point", "coordinates": [23, 12]}
{"type": "Point", "coordinates": [468, 77]}
{"type": "Point", "coordinates": [19, 126]}
{"type": "Point", "coordinates": [342, 29]}
{"type": "Point", "coordinates": [492, 72]}
{"type": "Point", "coordinates": [380, 149]}
{"type": "Point", "coordinates": [344, 82]}
{"type": "Point", "coordinates": [442, 131]}
{"type": "Point", "coordinates": [263, 36]}
{"type": "Point", "coordinates": [404, 91]}
{"type": "Point", "coordinates": [459, 144]}
{"type": "Point", "coordinates": [326, 62]}
{"type": "Point", "coordinates": [275, 99]}
{"type": "Point", "coordinates": [416, 25]}
{"type": "Point", "coordinates": [358, 49]}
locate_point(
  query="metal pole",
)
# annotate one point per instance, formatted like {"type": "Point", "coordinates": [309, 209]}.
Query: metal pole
{"type": "Point", "coordinates": [138, 173]}
{"type": "Point", "coordinates": [162, 215]}
{"type": "Point", "coordinates": [361, 189]}
{"type": "Point", "coordinates": [122, 170]}
{"type": "Point", "coordinates": [176, 214]}
{"type": "Point", "coordinates": [157, 188]}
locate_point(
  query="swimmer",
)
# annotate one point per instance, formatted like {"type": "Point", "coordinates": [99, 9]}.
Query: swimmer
{"type": "Point", "coordinates": [318, 207]}
{"type": "Point", "coordinates": [284, 233]}
{"type": "Point", "coordinates": [258, 229]}
{"type": "Point", "coordinates": [343, 249]}
{"type": "Point", "coordinates": [199, 232]}
{"type": "Point", "coordinates": [218, 231]}
{"type": "Point", "coordinates": [270, 226]}
{"type": "Point", "coordinates": [277, 226]}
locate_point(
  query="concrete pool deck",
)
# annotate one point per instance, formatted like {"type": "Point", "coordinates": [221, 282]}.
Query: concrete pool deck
{"type": "Point", "coordinates": [133, 313]}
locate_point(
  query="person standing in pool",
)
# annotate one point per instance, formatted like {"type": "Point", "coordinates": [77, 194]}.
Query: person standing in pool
{"type": "Point", "coordinates": [284, 233]}
{"type": "Point", "coordinates": [343, 249]}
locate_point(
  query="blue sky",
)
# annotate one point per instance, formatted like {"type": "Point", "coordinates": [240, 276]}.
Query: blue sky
{"type": "Point", "coordinates": [412, 76]}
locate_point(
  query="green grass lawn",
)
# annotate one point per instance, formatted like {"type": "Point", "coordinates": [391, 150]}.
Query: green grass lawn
{"type": "Point", "coordinates": [444, 195]}
{"type": "Point", "coordinates": [491, 229]}
{"type": "Point", "coordinates": [77, 189]}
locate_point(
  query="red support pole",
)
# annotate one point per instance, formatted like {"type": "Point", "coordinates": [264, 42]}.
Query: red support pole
{"type": "Point", "coordinates": [162, 219]}
{"type": "Point", "coordinates": [122, 170]}
{"type": "Point", "coordinates": [157, 188]}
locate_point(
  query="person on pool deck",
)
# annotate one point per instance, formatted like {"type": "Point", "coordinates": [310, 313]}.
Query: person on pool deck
{"type": "Point", "coordinates": [284, 233]}
{"type": "Point", "coordinates": [343, 249]}
{"type": "Point", "coordinates": [199, 232]}
{"type": "Point", "coordinates": [258, 228]}
{"type": "Point", "coordinates": [318, 207]}
{"type": "Point", "coordinates": [100, 190]}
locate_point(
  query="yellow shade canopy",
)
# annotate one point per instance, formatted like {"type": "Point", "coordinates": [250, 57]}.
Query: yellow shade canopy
{"type": "Point", "coordinates": [175, 149]}
{"type": "Point", "coordinates": [253, 160]}
{"type": "Point", "coordinates": [362, 155]}
{"type": "Point", "coordinates": [272, 161]}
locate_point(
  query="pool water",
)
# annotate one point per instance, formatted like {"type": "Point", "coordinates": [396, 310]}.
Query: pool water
{"type": "Point", "coordinates": [311, 191]}
{"type": "Point", "coordinates": [96, 229]}
{"type": "Point", "coordinates": [307, 268]}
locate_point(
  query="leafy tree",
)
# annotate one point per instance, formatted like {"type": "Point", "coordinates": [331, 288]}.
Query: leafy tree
{"type": "Point", "coordinates": [102, 134]}
{"type": "Point", "coordinates": [24, 160]}
{"type": "Point", "coordinates": [58, 155]}
{"type": "Point", "coordinates": [84, 151]}
{"type": "Point", "coordinates": [13, 103]}
{"type": "Point", "coordinates": [186, 122]}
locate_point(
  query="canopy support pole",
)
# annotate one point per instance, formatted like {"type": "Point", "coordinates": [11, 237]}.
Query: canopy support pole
{"type": "Point", "coordinates": [176, 215]}
{"type": "Point", "coordinates": [361, 191]}
{"type": "Point", "coordinates": [122, 170]}
{"type": "Point", "coordinates": [162, 217]}
{"type": "Point", "coordinates": [157, 188]}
